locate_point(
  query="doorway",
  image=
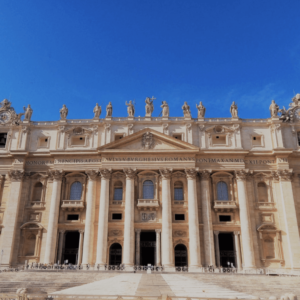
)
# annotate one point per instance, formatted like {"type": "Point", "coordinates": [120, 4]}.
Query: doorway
{"type": "Point", "coordinates": [115, 254]}
{"type": "Point", "coordinates": [227, 253]}
{"type": "Point", "coordinates": [70, 251]}
{"type": "Point", "coordinates": [180, 255]}
{"type": "Point", "coordinates": [148, 248]}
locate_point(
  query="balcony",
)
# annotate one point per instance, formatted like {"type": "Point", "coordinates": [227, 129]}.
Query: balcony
{"type": "Point", "coordinates": [37, 205]}
{"type": "Point", "coordinates": [179, 203]}
{"type": "Point", "coordinates": [265, 206]}
{"type": "Point", "coordinates": [117, 203]}
{"type": "Point", "coordinates": [72, 205]}
{"type": "Point", "coordinates": [225, 206]}
{"type": "Point", "coordinates": [151, 204]}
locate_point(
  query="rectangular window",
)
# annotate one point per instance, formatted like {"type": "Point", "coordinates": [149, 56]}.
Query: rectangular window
{"type": "Point", "coordinates": [177, 136]}
{"type": "Point", "coordinates": [118, 194]}
{"type": "Point", "coordinates": [256, 140]}
{"type": "Point", "coordinates": [3, 137]}
{"type": "Point", "coordinates": [223, 218]}
{"type": "Point", "coordinates": [117, 216]}
{"type": "Point", "coordinates": [179, 217]}
{"type": "Point", "coordinates": [73, 217]}
{"type": "Point", "coordinates": [119, 136]}
{"type": "Point", "coordinates": [78, 141]}
{"type": "Point", "coordinates": [219, 140]}
{"type": "Point", "coordinates": [178, 194]}
{"type": "Point", "coordinates": [43, 142]}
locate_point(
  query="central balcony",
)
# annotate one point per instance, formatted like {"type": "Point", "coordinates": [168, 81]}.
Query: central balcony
{"type": "Point", "coordinates": [72, 205]}
{"type": "Point", "coordinates": [224, 206]}
{"type": "Point", "coordinates": [151, 204]}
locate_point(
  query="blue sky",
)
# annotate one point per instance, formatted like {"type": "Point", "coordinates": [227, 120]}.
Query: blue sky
{"type": "Point", "coordinates": [216, 51]}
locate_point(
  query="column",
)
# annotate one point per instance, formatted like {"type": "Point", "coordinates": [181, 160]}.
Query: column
{"type": "Point", "coordinates": [194, 237]}
{"type": "Point", "coordinates": [11, 218]}
{"type": "Point", "coordinates": [80, 247]}
{"type": "Point", "coordinates": [38, 243]}
{"type": "Point", "coordinates": [89, 218]}
{"type": "Point", "coordinates": [209, 251]}
{"type": "Point", "coordinates": [290, 218]}
{"type": "Point", "coordinates": [103, 218]}
{"type": "Point", "coordinates": [60, 245]}
{"type": "Point", "coordinates": [237, 250]}
{"type": "Point", "coordinates": [217, 248]}
{"type": "Point", "coordinates": [166, 234]}
{"type": "Point", "coordinates": [128, 248]}
{"type": "Point", "coordinates": [158, 259]}
{"type": "Point", "coordinates": [53, 216]}
{"type": "Point", "coordinates": [137, 246]}
{"type": "Point", "coordinates": [248, 251]}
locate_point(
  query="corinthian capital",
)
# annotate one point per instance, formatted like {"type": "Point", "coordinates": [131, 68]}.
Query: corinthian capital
{"type": "Point", "coordinates": [16, 175]}
{"type": "Point", "coordinates": [191, 173]}
{"type": "Point", "coordinates": [166, 173]}
{"type": "Point", "coordinates": [285, 175]}
{"type": "Point", "coordinates": [205, 174]}
{"type": "Point", "coordinates": [56, 174]}
{"type": "Point", "coordinates": [241, 174]}
{"type": "Point", "coordinates": [92, 174]}
{"type": "Point", "coordinates": [130, 173]}
{"type": "Point", "coordinates": [105, 173]}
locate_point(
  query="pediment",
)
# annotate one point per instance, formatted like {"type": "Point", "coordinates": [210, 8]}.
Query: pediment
{"type": "Point", "coordinates": [148, 140]}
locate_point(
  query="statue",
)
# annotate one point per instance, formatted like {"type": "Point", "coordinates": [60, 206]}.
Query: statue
{"type": "Point", "coordinates": [130, 109]}
{"type": "Point", "coordinates": [165, 109]}
{"type": "Point", "coordinates": [109, 110]}
{"type": "Point", "coordinates": [149, 106]}
{"type": "Point", "coordinates": [97, 111]}
{"type": "Point", "coordinates": [186, 110]}
{"type": "Point", "coordinates": [63, 112]}
{"type": "Point", "coordinates": [274, 109]}
{"type": "Point", "coordinates": [5, 105]}
{"type": "Point", "coordinates": [296, 100]}
{"type": "Point", "coordinates": [234, 110]}
{"type": "Point", "coordinates": [28, 112]}
{"type": "Point", "coordinates": [201, 110]}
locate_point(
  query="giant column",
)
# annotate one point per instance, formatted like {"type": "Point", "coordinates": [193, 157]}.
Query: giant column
{"type": "Point", "coordinates": [103, 219]}
{"type": "Point", "coordinates": [128, 250]}
{"type": "Point", "coordinates": [89, 218]}
{"type": "Point", "coordinates": [247, 244]}
{"type": "Point", "coordinates": [137, 246]}
{"type": "Point", "coordinates": [53, 216]}
{"type": "Point", "coordinates": [158, 260]}
{"type": "Point", "coordinates": [166, 230]}
{"type": "Point", "coordinates": [237, 250]}
{"type": "Point", "coordinates": [194, 237]}
{"type": "Point", "coordinates": [209, 251]}
{"type": "Point", "coordinates": [11, 218]}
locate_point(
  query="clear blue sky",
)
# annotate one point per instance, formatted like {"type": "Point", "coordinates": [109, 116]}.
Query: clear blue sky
{"type": "Point", "coordinates": [81, 52]}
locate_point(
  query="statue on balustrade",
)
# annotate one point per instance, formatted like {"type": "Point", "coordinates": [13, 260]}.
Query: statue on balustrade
{"type": "Point", "coordinates": [109, 110]}
{"type": "Point", "coordinates": [149, 106]}
{"type": "Point", "coordinates": [234, 110]}
{"type": "Point", "coordinates": [28, 113]}
{"type": "Point", "coordinates": [130, 109]}
{"type": "Point", "coordinates": [63, 112]}
{"type": "Point", "coordinates": [97, 111]}
{"type": "Point", "coordinates": [274, 109]}
{"type": "Point", "coordinates": [201, 110]}
{"type": "Point", "coordinates": [186, 110]}
{"type": "Point", "coordinates": [165, 109]}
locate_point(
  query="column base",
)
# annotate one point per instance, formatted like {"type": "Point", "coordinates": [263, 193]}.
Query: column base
{"type": "Point", "coordinates": [195, 269]}
{"type": "Point", "coordinates": [129, 268]}
{"type": "Point", "coordinates": [100, 267]}
{"type": "Point", "coordinates": [169, 269]}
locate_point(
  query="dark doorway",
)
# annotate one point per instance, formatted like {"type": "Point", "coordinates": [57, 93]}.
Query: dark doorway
{"type": "Point", "coordinates": [227, 253]}
{"type": "Point", "coordinates": [180, 255]}
{"type": "Point", "coordinates": [70, 252]}
{"type": "Point", "coordinates": [148, 248]}
{"type": "Point", "coordinates": [115, 254]}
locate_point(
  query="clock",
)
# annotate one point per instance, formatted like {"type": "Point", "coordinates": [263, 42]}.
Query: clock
{"type": "Point", "coordinates": [297, 113]}
{"type": "Point", "coordinates": [5, 117]}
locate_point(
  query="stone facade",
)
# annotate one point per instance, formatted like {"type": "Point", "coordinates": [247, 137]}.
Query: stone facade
{"type": "Point", "coordinates": [170, 191]}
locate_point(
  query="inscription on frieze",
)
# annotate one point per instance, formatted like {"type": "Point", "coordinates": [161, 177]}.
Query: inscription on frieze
{"type": "Point", "coordinates": [148, 216]}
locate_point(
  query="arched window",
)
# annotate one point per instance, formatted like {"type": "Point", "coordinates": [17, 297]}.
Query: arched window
{"type": "Point", "coordinates": [37, 192]}
{"type": "Point", "coordinates": [222, 191]}
{"type": "Point", "coordinates": [262, 192]}
{"type": "Point", "coordinates": [76, 190]}
{"type": "Point", "coordinates": [180, 255]}
{"type": "Point", "coordinates": [178, 190]}
{"type": "Point", "coordinates": [115, 254]}
{"type": "Point", "coordinates": [118, 191]}
{"type": "Point", "coordinates": [148, 189]}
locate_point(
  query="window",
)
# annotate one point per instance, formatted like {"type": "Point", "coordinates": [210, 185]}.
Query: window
{"type": "Point", "coordinates": [43, 142]}
{"type": "Point", "coordinates": [148, 189]}
{"type": "Point", "coordinates": [222, 191]}
{"type": "Point", "coordinates": [223, 218]}
{"type": "Point", "coordinates": [119, 136]}
{"type": "Point", "coordinates": [179, 217]}
{"type": "Point", "coordinates": [76, 190]}
{"type": "Point", "coordinates": [118, 191]}
{"type": "Point", "coordinates": [116, 216]}
{"type": "Point", "coordinates": [269, 248]}
{"type": "Point", "coordinates": [73, 217]}
{"type": "Point", "coordinates": [78, 141]}
{"type": "Point", "coordinates": [177, 136]}
{"type": "Point", "coordinates": [178, 190]}
{"type": "Point", "coordinates": [219, 140]}
{"type": "Point", "coordinates": [262, 192]}
{"type": "Point", "coordinates": [256, 141]}
{"type": "Point", "coordinates": [37, 192]}
{"type": "Point", "coordinates": [3, 137]}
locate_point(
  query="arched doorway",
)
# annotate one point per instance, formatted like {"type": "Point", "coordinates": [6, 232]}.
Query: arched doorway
{"type": "Point", "coordinates": [115, 254]}
{"type": "Point", "coordinates": [180, 256]}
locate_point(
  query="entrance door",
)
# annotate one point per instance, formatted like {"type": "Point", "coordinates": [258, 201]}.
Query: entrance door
{"type": "Point", "coordinates": [180, 256]}
{"type": "Point", "coordinates": [148, 248]}
{"type": "Point", "coordinates": [227, 253]}
{"type": "Point", "coordinates": [115, 254]}
{"type": "Point", "coordinates": [70, 251]}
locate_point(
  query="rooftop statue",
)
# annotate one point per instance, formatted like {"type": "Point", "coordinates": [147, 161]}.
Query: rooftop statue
{"type": "Point", "coordinates": [5, 105]}
{"type": "Point", "coordinates": [296, 100]}
{"type": "Point", "coordinates": [28, 113]}
{"type": "Point", "coordinates": [149, 106]}
{"type": "Point", "coordinates": [63, 112]}
{"type": "Point", "coordinates": [130, 109]}
{"type": "Point", "coordinates": [201, 110]}
{"type": "Point", "coordinates": [234, 110]}
{"type": "Point", "coordinates": [274, 109]}
{"type": "Point", "coordinates": [165, 109]}
{"type": "Point", "coordinates": [186, 110]}
{"type": "Point", "coordinates": [109, 110]}
{"type": "Point", "coordinates": [97, 111]}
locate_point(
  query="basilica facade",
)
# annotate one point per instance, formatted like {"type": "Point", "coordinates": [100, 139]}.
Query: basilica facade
{"type": "Point", "coordinates": [166, 191]}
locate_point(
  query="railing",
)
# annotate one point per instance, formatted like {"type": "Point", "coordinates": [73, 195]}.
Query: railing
{"type": "Point", "coordinates": [182, 269]}
{"type": "Point", "coordinates": [37, 205]}
{"type": "Point", "coordinates": [265, 205]}
{"type": "Point", "coordinates": [72, 205]}
{"type": "Point", "coordinates": [223, 204]}
{"type": "Point", "coordinates": [145, 268]}
{"type": "Point", "coordinates": [180, 203]}
{"type": "Point", "coordinates": [117, 202]}
{"type": "Point", "coordinates": [148, 203]}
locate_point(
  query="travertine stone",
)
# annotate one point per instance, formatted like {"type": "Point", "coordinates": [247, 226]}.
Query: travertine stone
{"type": "Point", "coordinates": [158, 256]}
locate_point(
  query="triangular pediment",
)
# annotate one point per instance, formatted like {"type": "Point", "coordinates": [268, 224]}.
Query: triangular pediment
{"type": "Point", "coordinates": [148, 140]}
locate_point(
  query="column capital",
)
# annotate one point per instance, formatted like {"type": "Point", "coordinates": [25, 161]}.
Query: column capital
{"type": "Point", "coordinates": [92, 174]}
{"type": "Point", "coordinates": [81, 231]}
{"type": "Point", "coordinates": [284, 175]}
{"type": "Point", "coordinates": [191, 173]}
{"type": "Point", "coordinates": [62, 230]}
{"type": "Point", "coordinates": [216, 232]}
{"type": "Point", "coordinates": [241, 174]}
{"type": "Point", "coordinates": [205, 174]}
{"type": "Point", "coordinates": [236, 233]}
{"type": "Point", "coordinates": [138, 230]}
{"type": "Point", "coordinates": [16, 175]}
{"type": "Point", "coordinates": [166, 173]}
{"type": "Point", "coordinates": [105, 173]}
{"type": "Point", "coordinates": [56, 174]}
{"type": "Point", "coordinates": [130, 173]}
{"type": "Point", "coordinates": [158, 230]}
